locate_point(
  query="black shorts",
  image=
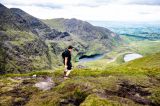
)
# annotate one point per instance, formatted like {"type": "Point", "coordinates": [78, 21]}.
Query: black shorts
{"type": "Point", "coordinates": [69, 66]}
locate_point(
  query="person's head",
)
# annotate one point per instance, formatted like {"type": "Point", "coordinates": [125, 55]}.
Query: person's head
{"type": "Point", "coordinates": [70, 48]}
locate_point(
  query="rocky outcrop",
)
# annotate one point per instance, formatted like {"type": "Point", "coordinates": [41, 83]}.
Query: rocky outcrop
{"type": "Point", "coordinates": [17, 19]}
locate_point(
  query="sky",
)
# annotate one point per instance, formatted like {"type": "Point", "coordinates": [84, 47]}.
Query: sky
{"type": "Point", "coordinates": [94, 10]}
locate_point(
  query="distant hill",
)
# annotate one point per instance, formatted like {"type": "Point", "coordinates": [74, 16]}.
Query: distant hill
{"type": "Point", "coordinates": [133, 30]}
{"type": "Point", "coordinates": [96, 38]}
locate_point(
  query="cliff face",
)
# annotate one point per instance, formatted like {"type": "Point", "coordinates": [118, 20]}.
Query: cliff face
{"type": "Point", "coordinates": [22, 52]}
{"type": "Point", "coordinates": [22, 42]}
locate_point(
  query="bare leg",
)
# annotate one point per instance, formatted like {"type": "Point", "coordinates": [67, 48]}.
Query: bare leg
{"type": "Point", "coordinates": [68, 72]}
{"type": "Point", "coordinates": [65, 72]}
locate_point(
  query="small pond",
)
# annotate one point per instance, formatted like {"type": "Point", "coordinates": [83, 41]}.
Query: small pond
{"type": "Point", "coordinates": [132, 56]}
{"type": "Point", "coordinates": [90, 58]}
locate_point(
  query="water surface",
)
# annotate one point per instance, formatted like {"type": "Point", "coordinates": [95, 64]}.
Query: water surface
{"type": "Point", "coordinates": [129, 57]}
{"type": "Point", "coordinates": [91, 58]}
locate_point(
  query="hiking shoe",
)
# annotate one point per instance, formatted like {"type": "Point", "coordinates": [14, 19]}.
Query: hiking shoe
{"type": "Point", "coordinates": [65, 77]}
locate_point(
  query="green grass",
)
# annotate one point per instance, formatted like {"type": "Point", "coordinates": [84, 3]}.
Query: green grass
{"type": "Point", "coordinates": [156, 95]}
{"type": "Point", "coordinates": [88, 86]}
{"type": "Point", "coordinates": [38, 73]}
{"type": "Point", "coordinates": [19, 38]}
{"type": "Point", "coordinates": [24, 57]}
{"type": "Point", "coordinates": [146, 47]}
{"type": "Point", "coordinates": [55, 23]}
{"type": "Point", "coordinates": [94, 100]}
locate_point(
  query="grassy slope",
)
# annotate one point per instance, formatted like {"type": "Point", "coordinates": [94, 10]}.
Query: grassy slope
{"type": "Point", "coordinates": [33, 57]}
{"type": "Point", "coordinates": [107, 87]}
{"type": "Point", "coordinates": [91, 85]}
{"type": "Point", "coordinates": [144, 47]}
{"type": "Point", "coordinates": [55, 23]}
{"type": "Point", "coordinates": [19, 39]}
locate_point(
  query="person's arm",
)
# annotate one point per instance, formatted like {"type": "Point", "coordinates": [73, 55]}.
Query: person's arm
{"type": "Point", "coordinates": [65, 61]}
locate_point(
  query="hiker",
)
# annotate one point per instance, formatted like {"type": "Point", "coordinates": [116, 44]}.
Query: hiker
{"type": "Point", "coordinates": [67, 61]}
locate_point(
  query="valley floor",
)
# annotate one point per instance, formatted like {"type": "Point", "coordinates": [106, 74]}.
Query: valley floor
{"type": "Point", "coordinates": [115, 57]}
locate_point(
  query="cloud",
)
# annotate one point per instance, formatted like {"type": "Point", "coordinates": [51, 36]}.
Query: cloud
{"type": "Point", "coordinates": [85, 3]}
{"type": "Point", "coordinates": [104, 10]}
{"type": "Point", "coordinates": [144, 13]}
{"type": "Point", "coordinates": [40, 3]}
{"type": "Point", "coordinates": [46, 5]}
{"type": "Point", "coordinates": [145, 2]}
{"type": "Point", "coordinates": [88, 5]}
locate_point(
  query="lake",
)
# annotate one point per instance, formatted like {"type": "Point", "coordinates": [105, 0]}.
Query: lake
{"type": "Point", "coordinates": [90, 58]}
{"type": "Point", "coordinates": [129, 57]}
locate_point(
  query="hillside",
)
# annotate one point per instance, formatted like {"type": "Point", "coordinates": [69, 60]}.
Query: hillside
{"type": "Point", "coordinates": [95, 38]}
{"type": "Point", "coordinates": [132, 84]}
{"type": "Point", "coordinates": [17, 19]}
{"type": "Point", "coordinates": [23, 42]}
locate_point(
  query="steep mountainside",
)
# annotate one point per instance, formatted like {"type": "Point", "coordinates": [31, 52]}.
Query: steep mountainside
{"type": "Point", "coordinates": [27, 43]}
{"type": "Point", "coordinates": [97, 38]}
{"type": "Point", "coordinates": [22, 42]}
{"type": "Point", "coordinates": [17, 19]}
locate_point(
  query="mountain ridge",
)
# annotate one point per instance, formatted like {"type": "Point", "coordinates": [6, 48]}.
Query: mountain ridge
{"type": "Point", "coordinates": [85, 31]}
